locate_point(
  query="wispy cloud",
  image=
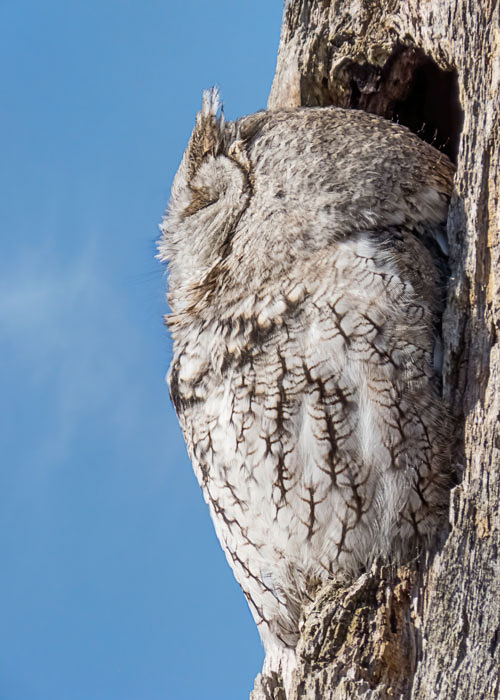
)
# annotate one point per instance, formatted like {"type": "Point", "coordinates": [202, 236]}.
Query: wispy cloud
{"type": "Point", "coordinates": [69, 326]}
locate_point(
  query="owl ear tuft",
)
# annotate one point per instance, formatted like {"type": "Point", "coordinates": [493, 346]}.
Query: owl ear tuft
{"type": "Point", "coordinates": [211, 102]}
{"type": "Point", "coordinates": [208, 137]}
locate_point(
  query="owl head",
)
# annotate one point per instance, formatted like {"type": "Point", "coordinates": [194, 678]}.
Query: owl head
{"type": "Point", "coordinates": [210, 191]}
{"type": "Point", "coordinates": [253, 196]}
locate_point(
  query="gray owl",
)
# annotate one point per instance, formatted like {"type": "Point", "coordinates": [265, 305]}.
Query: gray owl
{"type": "Point", "coordinates": [305, 285]}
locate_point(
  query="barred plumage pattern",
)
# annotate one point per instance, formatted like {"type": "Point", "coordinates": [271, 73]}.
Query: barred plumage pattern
{"type": "Point", "coordinates": [305, 290]}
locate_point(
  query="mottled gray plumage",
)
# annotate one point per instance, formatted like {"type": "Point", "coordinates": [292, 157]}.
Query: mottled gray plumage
{"type": "Point", "coordinates": [304, 293]}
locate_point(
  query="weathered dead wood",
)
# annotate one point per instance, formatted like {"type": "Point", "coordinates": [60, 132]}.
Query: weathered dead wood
{"type": "Point", "coordinates": [430, 630]}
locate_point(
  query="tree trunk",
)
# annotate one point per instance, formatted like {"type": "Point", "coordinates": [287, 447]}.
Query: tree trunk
{"type": "Point", "coordinates": [430, 629]}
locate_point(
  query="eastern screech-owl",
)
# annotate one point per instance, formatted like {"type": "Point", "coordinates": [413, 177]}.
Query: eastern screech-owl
{"type": "Point", "coordinates": [305, 291]}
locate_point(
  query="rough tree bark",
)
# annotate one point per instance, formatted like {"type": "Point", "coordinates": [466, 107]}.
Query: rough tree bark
{"type": "Point", "coordinates": [430, 629]}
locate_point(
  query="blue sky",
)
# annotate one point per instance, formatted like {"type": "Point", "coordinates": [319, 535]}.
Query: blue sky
{"type": "Point", "coordinates": [113, 584]}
